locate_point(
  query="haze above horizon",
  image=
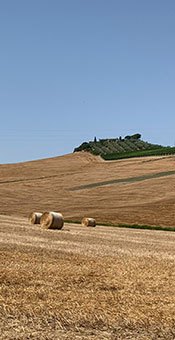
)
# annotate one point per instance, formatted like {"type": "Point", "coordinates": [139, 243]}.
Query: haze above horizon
{"type": "Point", "coordinates": [73, 70]}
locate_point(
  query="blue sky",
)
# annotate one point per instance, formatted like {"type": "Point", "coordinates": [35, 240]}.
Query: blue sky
{"type": "Point", "coordinates": [74, 69]}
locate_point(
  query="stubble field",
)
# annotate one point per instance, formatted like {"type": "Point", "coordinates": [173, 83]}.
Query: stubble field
{"type": "Point", "coordinates": [140, 190]}
{"type": "Point", "coordinates": [87, 283]}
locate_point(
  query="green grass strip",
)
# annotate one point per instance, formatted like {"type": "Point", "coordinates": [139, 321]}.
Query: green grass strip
{"type": "Point", "coordinates": [130, 226]}
{"type": "Point", "coordinates": [125, 180]}
{"type": "Point", "coordinates": [140, 153]}
{"type": "Point", "coordinates": [138, 226]}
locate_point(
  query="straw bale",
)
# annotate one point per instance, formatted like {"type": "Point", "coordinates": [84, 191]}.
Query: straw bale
{"type": "Point", "coordinates": [52, 220]}
{"type": "Point", "coordinates": [34, 217]}
{"type": "Point", "coordinates": [88, 222]}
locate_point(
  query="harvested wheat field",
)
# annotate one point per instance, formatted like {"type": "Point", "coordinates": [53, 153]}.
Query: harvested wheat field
{"type": "Point", "coordinates": [88, 283]}
{"type": "Point", "coordinates": [133, 191]}
{"type": "Point", "coordinates": [85, 283]}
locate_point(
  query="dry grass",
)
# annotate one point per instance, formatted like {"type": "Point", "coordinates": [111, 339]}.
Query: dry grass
{"type": "Point", "coordinates": [93, 283]}
{"type": "Point", "coordinates": [87, 283]}
{"type": "Point", "coordinates": [34, 186]}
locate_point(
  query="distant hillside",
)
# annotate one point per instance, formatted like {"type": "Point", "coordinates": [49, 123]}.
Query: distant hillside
{"type": "Point", "coordinates": [129, 146]}
{"type": "Point", "coordinates": [139, 192]}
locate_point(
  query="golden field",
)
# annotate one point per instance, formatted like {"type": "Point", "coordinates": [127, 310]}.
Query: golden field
{"type": "Point", "coordinates": [69, 184]}
{"type": "Point", "coordinates": [88, 283]}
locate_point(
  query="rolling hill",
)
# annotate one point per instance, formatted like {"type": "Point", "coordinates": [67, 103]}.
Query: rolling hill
{"type": "Point", "coordinates": [131, 191]}
{"type": "Point", "coordinates": [88, 283]}
{"type": "Point", "coordinates": [127, 147]}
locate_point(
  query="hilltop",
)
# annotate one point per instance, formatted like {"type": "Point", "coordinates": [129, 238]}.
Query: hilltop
{"type": "Point", "coordinates": [127, 147]}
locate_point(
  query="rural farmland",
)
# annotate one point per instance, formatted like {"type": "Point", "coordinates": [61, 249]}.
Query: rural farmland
{"type": "Point", "coordinates": [131, 191]}
{"type": "Point", "coordinates": [82, 282]}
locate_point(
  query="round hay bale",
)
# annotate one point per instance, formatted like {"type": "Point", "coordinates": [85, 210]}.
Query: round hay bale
{"type": "Point", "coordinates": [88, 222]}
{"type": "Point", "coordinates": [52, 220]}
{"type": "Point", "coordinates": [34, 217]}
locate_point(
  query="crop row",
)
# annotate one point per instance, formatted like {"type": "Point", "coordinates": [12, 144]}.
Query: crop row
{"type": "Point", "coordinates": [119, 147]}
{"type": "Point", "coordinates": [149, 152]}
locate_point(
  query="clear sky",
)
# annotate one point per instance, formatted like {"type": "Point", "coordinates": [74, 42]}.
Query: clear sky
{"type": "Point", "coordinates": [74, 69]}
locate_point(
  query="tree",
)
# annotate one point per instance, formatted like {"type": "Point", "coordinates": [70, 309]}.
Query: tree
{"type": "Point", "coordinates": [136, 136]}
{"type": "Point", "coordinates": [128, 137]}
